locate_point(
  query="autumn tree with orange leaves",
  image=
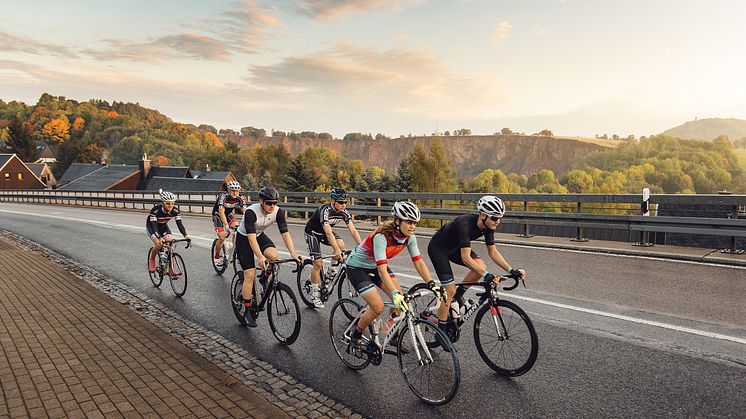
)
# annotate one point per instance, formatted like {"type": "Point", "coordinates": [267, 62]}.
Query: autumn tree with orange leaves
{"type": "Point", "coordinates": [57, 130]}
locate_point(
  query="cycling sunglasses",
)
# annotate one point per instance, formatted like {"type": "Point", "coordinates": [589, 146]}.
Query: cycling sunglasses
{"type": "Point", "coordinates": [495, 218]}
{"type": "Point", "coordinates": [270, 203]}
{"type": "Point", "coordinates": [341, 202]}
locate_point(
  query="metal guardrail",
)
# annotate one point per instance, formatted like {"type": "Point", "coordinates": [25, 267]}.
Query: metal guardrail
{"type": "Point", "coordinates": [375, 205]}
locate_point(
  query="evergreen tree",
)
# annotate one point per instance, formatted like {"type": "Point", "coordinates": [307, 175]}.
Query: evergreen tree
{"type": "Point", "coordinates": [21, 140]}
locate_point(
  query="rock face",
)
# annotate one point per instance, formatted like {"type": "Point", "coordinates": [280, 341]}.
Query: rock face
{"type": "Point", "coordinates": [469, 155]}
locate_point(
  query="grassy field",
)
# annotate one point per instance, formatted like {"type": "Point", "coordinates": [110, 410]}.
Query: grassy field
{"type": "Point", "coordinates": [741, 153]}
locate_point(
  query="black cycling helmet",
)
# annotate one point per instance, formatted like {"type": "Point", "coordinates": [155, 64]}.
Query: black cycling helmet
{"type": "Point", "coordinates": [269, 193]}
{"type": "Point", "coordinates": [339, 194]}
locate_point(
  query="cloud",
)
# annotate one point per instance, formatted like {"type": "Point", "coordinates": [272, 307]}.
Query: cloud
{"type": "Point", "coordinates": [332, 9]}
{"type": "Point", "coordinates": [241, 30]}
{"type": "Point", "coordinates": [502, 33]}
{"type": "Point", "coordinates": [13, 43]}
{"type": "Point", "coordinates": [398, 79]}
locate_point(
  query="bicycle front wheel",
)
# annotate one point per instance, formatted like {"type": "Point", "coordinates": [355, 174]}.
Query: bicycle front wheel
{"type": "Point", "coordinates": [506, 339]}
{"type": "Point", "coordinates": [304, 284]}
{"type": "Point", "coordinates": [433, 374]}
{"type": "Point", "coordinates": [424, 304]}
{"type": "Point", "coordinates": [155, 277]}
{"type": "Point", "coordinates": [284, 314]}
{"type": "Point", "coordinates": [340, 330]}
{"type": "Point", "coordinates": [237, 297]}
{"type": "Point", "coordinates": [178, 275]}
{"type": "Point", "coordinates": [221, 265]}
{"type": "Point", "coordinates": [345, 289]}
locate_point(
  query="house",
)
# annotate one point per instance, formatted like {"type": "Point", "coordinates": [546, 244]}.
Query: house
{"type": "Point", "coordinates": [46, 155]}
{"type": "Point", "coordinates": [15, 174]}
{"type": "Point", "coordinates": [44, 173]}
{"type": "Point", "coordinates": [143, 177]}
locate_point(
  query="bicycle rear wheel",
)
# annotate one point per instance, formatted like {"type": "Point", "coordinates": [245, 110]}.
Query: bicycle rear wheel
{"type": "Point", "coordinates": [424, 304]}
{"type": "Point", "coordinates": [512, 351]}
{"type": "Point", "coordinates": [284, 314]}
{"type": "Point", "coordinates": [219, 268]}
{"type": "Point", "coordinates": [178, 275]}
{"type": "Point", "coordinates": [342, 314]}
{"type": "Point", "coordinates": [237, 297]}
{"type": "Point", "coordinates": [434, 379]}
{"type": "Point", "coordinates": [155, 277]}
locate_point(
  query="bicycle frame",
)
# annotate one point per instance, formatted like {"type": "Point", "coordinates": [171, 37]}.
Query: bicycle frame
{"type": "Point", "coordinates": [274, 267]}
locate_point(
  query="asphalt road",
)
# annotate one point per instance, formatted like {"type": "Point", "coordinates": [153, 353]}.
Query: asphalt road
{"type": "Point", "coordinates": [619, 336]}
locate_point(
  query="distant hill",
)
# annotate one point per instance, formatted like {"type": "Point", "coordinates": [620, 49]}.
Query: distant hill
{"type": "Point", "coordinates": [710, 128]}
{"type": "Point", "coordinates": [524, 154]}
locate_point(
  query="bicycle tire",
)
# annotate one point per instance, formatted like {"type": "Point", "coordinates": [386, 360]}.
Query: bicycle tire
{"type": "Point", "coordinates": [339, 321]}
{"type": "Point", "coordinates": [155, 277]}
{"type": "Point", "coordinates": [224, 265]}
{"type": "Point", "coordinates": [521, 345]}
{"type": "Point", "coordinates": [237, 297]}
{"type": "Point", "coordinates": [445, 363]}
{"type": "Point", "coordinates": [423, 302]}
{"type": "Point", "coordinates": [283, 305]}
{"type": "Point", "coordinates": [303, 280]}
{"type": "Point", "coordinates": [178, 284]}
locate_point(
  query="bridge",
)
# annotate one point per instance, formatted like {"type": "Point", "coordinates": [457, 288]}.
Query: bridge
{"type": "Point", "coordinates": [624, 330]}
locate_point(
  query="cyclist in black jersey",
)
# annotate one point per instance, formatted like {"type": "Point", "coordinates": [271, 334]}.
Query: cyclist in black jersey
{"type": "Point", "coordinates": [319, 231]}
{"type": "Point", "coordinates": [222, 215]}
{"type": "Point", "coordinates": [157, 224]}
{"type": "Point", "coordinates": [452, 243]}
{"type": "Point", "coordinates": [251, 240]}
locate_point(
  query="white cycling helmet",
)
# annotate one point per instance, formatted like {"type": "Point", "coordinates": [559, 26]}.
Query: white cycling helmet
{"type": "Point", "coordinates": [491, 205]}
{"type": "Point", "coordinates": [234, 186]}
{"type": "Point", "coordinates": [405, 210]}
{"type": "Point", "coordinates": [167, 196]}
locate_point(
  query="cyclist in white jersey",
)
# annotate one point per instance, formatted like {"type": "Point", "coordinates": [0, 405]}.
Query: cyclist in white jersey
{"type": "Point", "coordinates": [252, 241]}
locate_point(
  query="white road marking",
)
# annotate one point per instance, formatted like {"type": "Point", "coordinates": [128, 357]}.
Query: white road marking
{"type": "Point", "coordinates": [208, 243]}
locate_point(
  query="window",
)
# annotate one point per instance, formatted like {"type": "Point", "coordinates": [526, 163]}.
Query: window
{"type": "Point", "coordinates": [7, 176]}
{"type": "Point", "coordinates": [20, 176]}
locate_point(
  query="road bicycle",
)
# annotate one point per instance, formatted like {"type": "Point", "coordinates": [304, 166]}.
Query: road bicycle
{"type": "Point", "coordinates": [171, 264]}
{"type": "Point", "coordinates": [329, 280]}
{"type": "Point", "coordinates": [504, 335]}
{"type": "Point", "coordinates": [227, 253]}
{"type": "Point", "coordinates": [282, 307]}
{"type": "Point", "coordinates": [432, 373]}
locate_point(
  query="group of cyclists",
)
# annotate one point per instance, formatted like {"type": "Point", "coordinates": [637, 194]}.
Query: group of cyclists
{"type": "Point", "coordinates": [367, 264]}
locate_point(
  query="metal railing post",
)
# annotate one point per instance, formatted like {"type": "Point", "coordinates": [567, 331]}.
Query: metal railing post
{"type": "Point", "coordinates": [378, 218]}
{"type": "Point", "coordinates": [645, 210]}
{"type": "Point", "coordinates": [733, 244]}
{"type": "Point", "coordinates": [526, 233]}
{"type": "Point", "coordinates": [305, 213]}
{"type": "Point", "coordinates": [580, 237]}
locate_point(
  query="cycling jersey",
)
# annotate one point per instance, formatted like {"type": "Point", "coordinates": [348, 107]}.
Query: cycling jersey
{"type": "Point", "coordinates": [158, 219]}
{"type": "Point", "coordinates": [326, 214]}
{"type": "Point", "coordinates": [256, 221]}
{"type": "Point", "coordinates": [379, 247]}
{"type": "Point", "coordinates": [230, 204]}
{"type": "Point", "coordinates": [459, 233]}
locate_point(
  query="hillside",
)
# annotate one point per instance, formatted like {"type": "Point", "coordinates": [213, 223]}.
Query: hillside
{"type": "Point", "coordinates": [709, 129]}
{"type": "Point", "coordinates": [469, 155]}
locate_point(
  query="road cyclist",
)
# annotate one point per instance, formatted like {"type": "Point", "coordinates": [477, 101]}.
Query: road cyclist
{"type": "Point", "coordinates": [252, 241]}
{"type": "Point", "coordinates": [156, 226]}
{"type": "Point", "coordinates": [227, 206]}
{"type": "Point", "coordinates": [319, 231]}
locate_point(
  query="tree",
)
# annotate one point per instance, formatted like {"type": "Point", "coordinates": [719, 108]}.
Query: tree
{"type": "Point", "coordinates": [21, 141]}
{"type": "Point", "coordinates": [462, 132]}
{"type": "Point", "coordinates": [506, 131]}
{"type": "Point", "coordinates": [545, 133]}
{"type": "Point", "coordinates": [300, 176]}
{"type": "Point", "coordinates": [208, 128]}
{"type": "Point", "coordinates": [57, 130]}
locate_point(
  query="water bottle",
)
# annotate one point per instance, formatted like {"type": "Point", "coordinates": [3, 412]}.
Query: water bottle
{"type": "Point", "coordinates": [331, 272]}
{"type": "Point", "coordinates": [455, 309]}
{"type": "Point", "coordinates": [386, 326]}
{"type": "Point", "coordinates": [376, 326]}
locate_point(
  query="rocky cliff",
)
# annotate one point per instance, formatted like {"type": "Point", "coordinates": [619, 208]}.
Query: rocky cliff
{"type": "Point", "coordinates": [469, 155]}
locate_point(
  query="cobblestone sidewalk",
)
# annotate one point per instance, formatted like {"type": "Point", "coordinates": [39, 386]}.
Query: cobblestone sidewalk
{"type": "Point", "coordinates": [68, 350]}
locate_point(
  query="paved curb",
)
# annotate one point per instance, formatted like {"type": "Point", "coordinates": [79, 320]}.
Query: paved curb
{"type": "Point", "coordinates": [277, 387]}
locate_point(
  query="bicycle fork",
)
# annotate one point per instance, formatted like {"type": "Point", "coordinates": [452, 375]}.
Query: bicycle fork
{"type": "Point", "coordinates": [417, 337]}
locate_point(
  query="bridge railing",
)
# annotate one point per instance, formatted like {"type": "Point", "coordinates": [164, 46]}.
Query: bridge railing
{"type": "Point", "coordinates": [579, 211]}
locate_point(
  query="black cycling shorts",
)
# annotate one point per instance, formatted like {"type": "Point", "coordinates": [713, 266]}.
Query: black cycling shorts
{"type": "Point", "coordinates": [364, 279]}
{"type": "Point", "coordinates": [314, 242]}
{"type": "Point", "coordinates": [163, 230]}
{"type": "Point", "coordinates": [244, 252]}
{"type": "Point", "coordinates": [441, 259]}
{"type": "Point", "coordinates": [218, 223]}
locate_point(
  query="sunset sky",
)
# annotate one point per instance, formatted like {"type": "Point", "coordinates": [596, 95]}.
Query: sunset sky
{"type": "Point", "coordinates": [388, 66]}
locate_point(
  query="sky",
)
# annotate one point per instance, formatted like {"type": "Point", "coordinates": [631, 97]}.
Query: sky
{"type": "Point", "coordinates": [396, 67]}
